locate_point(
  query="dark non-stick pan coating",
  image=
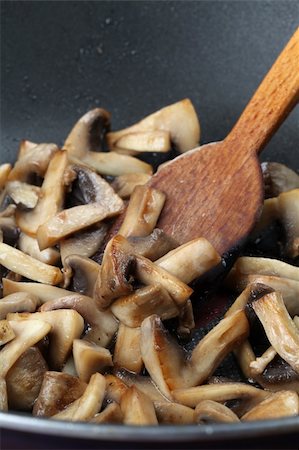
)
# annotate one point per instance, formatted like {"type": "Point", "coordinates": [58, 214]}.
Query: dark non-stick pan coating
{"type": "Point", "coordinates": [60, 59]}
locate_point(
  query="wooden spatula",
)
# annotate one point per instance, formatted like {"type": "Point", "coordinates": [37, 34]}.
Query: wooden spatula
{"type": "Point", "coordinates": [216, 190]}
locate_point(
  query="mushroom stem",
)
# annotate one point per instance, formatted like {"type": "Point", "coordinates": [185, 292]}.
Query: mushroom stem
{"type": "Point", "coordinates": [71, 220]}
{"type": "Point", "coordinates": [191, 260]}
{"type": "Point", "coordinates": [143, 212]}
{"type": "Point", "coordinates": [279, 327]}
{"type": "Point", "coordinates": [28, 267]}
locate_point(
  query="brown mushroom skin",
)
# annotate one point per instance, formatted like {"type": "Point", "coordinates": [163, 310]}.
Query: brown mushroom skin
{"type": "Point", "coordinates": [24, 379]}
{"type": "Point", "coordinates": [57, 391]}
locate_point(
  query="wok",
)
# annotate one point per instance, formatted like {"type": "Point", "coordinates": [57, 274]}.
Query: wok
{"type": "Point", "coordinates": [60, 59]}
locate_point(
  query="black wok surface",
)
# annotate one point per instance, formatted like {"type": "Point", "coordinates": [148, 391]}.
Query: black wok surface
{"type": "Point", "coordinates": [60, 59]}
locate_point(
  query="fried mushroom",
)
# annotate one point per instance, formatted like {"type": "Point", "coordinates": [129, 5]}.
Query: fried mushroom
{"type": "Point", "coordinates": [209, 411]}
{"type": "Point", "coordinates": [277, 405]}
{"type": "Point", "coordinates": [90, 358]}
{"type": "Point", "coordinates": [24, 379]}
{"type": "Point", "coordinates": [125, 184]}
{"type": "Point", "coordinates": [51, 196]}
{"type": "Point", "coordinates": [57, 391]}
{"type": "Point", "coordinates": [132, 309]}
{"type": "Point", "coordinates": [18, 302]}
{"type": "Point", "coordinates": [127, 352]}
{"type": "Point", "coordinates": [32, 158]}
{"type": "Point", "coordinates": [179, 119]}
{"type": "Point", "coordinates": [102, 325]}
{"type": "Point", "coordinates": [89, 404]}
{"type": "Point", "coordinates": [279, 327]}
{"type": "Point", "coordinates": [142, 212]}
{"type": "Point", "coordinates": [66, 325]}
{"type": "Point", "coordinates": [137, 408]}
{"type": "Point", "coordinates": [191, 260]}
{"type": "Point", "coordinates": [87, 136]}
{"type": "Point", "coordinates": [28, 267]}
{"type": "Point", "coordinates": [28, 333]}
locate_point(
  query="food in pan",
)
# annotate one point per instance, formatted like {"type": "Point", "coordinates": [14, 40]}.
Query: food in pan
{"type": "Point", "coordinates": [99, 306]}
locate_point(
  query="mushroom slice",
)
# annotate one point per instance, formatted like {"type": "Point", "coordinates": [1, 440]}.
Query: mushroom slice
{"type": "Point", "coordinates": [111, 414]}
{"type": "Point", "coordinates": [28, 333]}
{"type": "Point", "coordinates": [154, 245]}
{"type": "Point", "coordinates": [84, 243]}
{"type": "Point", "coordinates": [143, 211]}
{"type": "Point", "coordinates": [246, 265]}
{"type": "Point", "coordinates": [51, 199]}
{"type": "Point", "coordinates": [132, 309]}
{"type": "Point", "coordinates": [86, 136]}
{"type": "Point", "coordinates": [29, 245]}
{"type": "Point", "coordinates": [278, 376]}
{"type": "Point", "coordinates": [90, 358]}
{"type": "Point", "coordinates": [44, 292]}
{"type": "Point", "coordinates": [174, 413]}
{"type": "Point", "coordinates": [279, 327]}
{"type": "Point", "coordinates": [127, 349]}
{"type": "Point", "coordinates": [180, 119]}
{"type": "Point", "coordinates": [89, 187]}
{"type": "Point", "coordinates": [66, 325]}
{"type": "Point", "coordinates": [86, 406]}
{"type": "Point", "coordinates": [150, 273]}
{"type": "Point", "coordinates": [137, 408]}
{"type": "Point", "coordinates": [216, 345]}
{"type": "Point", "coordinates": [143, 383]}
{"type": "Point", "coordinates": [18, 302]}
{"type": "Point", "coordinates": [191, 260]}
{"type": "Point", "coordinates": [278, 404]}
{"type": "Point", "coordinates": [114, 164]}
{"type": "Point", "coordinates": [6, 332]}
{"type": "Point", "coordinates": [72, 220]}
{"type": "Point", "coordinates": [115, 388]}
{"type": "Point", "coordinates": [209, 411]}
{"type": "Point", "coordinates": [125, 184]}
{"type": "Point", "coordinates": [288, 205]}
{"type": "Point", "coordinates": [28, 267]}
{"type": "Point", "coordinates": [220, 392]}
{"type": "Point", "coordinates": [24, 195]}
{"type": "Point", "coordinates": [143, 141]}
{"type": "Point", "coordinates": [83, 271]}
{"type": "Point", "coordinates": [278, 178]}
{"type": "Point", "coordinates": [114, 279]}
{"type": "Point", "coordinates": [3, 395]}
{"type": "Point", "coordinates": [163, 358]}
{"type": "Point", "coordinates": [57, 391]}
{"type": "Point", "coordinates": [33, 158]}
{"type": "Point", "coordinates": [4, 173]}
{"type": "Point", "coordinates": [88, 132]}
{"type": "Point", "coordinates": [102, 325]}
{"type": "Point", "coordinates": [288, 288]}
{"type": "Point", "coordinates": [166, 362]}
{"type": "Point", "coordinates": [24, 379]}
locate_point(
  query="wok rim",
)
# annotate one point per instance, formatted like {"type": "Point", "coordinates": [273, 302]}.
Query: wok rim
{"type": "Point", "coordinates": [165, 433]}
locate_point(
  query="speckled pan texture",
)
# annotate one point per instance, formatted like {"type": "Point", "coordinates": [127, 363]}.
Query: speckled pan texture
{"type": "Point", "coordinates": [60, 59]}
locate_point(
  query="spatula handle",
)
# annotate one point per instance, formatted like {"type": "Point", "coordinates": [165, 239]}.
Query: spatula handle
{"type": "Point", "coordinates": [272, 102]}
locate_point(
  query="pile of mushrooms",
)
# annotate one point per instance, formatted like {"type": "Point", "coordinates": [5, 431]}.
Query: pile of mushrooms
{"type": "Point", "coordinates": [97, 300]}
